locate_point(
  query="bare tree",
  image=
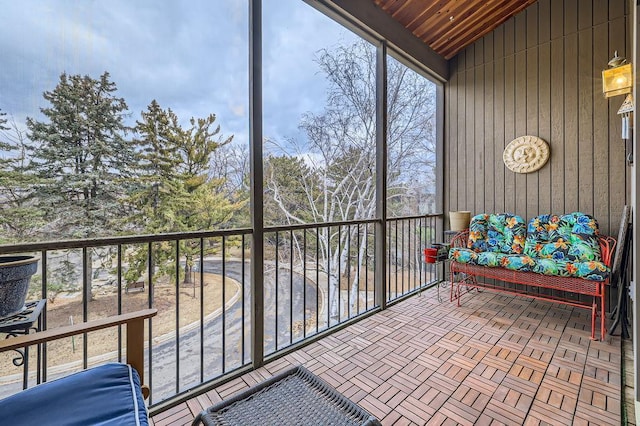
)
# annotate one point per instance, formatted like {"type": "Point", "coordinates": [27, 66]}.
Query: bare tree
{"type": "Point", "coordinates": [333, 177]}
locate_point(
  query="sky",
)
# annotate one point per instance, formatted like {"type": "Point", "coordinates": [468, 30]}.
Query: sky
{"type": "Point", "coordinates": [191, 56]}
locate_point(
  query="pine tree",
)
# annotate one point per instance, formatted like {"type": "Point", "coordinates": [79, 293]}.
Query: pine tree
{"type": "Point", "coordinates": [3, 126]}
{"type": "Point", "coordinates": [19, 216]}
{"type": "Point", "coordinates": [173, 189]}
{"type": "Point", "coordinates": [80, 154]}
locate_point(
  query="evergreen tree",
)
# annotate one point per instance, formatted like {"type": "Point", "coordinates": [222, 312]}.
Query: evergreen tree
{"type": "Point", "coordinates": [174, 191]}
{"type": "Point", "coordinates": [19, 216]}
{"type": "Point", "coordinates": [3, 126]}
{"type": "Point", "coordinates": [80, 154]}
{"type": "Point", "coordinates": [292, 189]}
{"type": "Point", "coordinates": [156, 168]}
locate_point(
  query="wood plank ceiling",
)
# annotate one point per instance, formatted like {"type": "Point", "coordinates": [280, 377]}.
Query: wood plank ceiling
{"type": "Point", "coordinates": [448, 26]}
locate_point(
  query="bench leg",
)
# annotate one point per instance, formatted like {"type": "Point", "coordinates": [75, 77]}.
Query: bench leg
{"type": "Point", "coordinates": [603, 330]}
{"type": "Point", "coordinates": [598, 311]}
{"type": "Point", "coordinates": [464, 279]}
{"type": "Point", "coordinates": [455, 294]}
{"type": "Point", "coordinates": [452, 278]}
{"type": "Point", "coordinates": [594, 313]}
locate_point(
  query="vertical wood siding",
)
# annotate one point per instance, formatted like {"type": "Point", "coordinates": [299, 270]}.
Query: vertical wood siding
{"type": "Point", "coordinates": [540, 74]}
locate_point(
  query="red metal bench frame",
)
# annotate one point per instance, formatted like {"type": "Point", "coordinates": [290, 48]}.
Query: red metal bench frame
{"type": "Point", "coordinates": [464, 274]}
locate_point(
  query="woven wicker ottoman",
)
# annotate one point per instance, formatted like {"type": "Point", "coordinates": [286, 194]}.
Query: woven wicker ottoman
{"type": "Point", "coordinates": [293, 397]}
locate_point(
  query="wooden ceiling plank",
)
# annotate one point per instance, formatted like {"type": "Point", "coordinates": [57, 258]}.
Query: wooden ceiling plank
{"type": "Point", "coordinates": [432, 8]}
{"type": "Point", "coordinates": [407, 8]}
{"type": "Point", "coordinates": [386, 5]}
{"type": "Point", "coordinates": [429, 20]}
{"type": "Point", "coordinates": [401, 5]}
{"type": "Point", "coordinates": [474, 32]}
{"type": "Point", "coordinates": [492, 13]}
{"type": "Point", "coordinates": [462, 19]}
{"type": "Point", "coordinates": [443, 14]}
{"type": "Point", "coordinates": [454, 36]}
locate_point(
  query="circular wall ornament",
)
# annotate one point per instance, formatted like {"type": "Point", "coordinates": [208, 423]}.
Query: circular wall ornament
{"type": "Point", "coordinates": [525, 154]}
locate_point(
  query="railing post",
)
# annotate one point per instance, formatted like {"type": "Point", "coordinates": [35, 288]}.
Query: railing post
{"type": "Point", "coordinates": [42, 349]}
{"type": "Point", "coordinates": [257, 186]}
{"type": "Point", "coordinates": [381, 175]}
{"type": "Point", "coordinates": [440, 160]}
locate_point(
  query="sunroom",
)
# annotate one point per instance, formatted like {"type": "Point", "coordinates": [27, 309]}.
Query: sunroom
{"type": "Point", "coordinates": [267, 174]}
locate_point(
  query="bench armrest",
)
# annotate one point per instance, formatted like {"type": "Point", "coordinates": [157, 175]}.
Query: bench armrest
{"type": "Point", "coordinates": [460, 239]}
{"type": "Point", "coordinates": [607, 245]}
{"type": "Point", "coordinates": [135, 335]}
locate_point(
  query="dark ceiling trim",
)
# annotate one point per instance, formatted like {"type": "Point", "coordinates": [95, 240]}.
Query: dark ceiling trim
{"type": "Point", "coordinates": [368, 15]}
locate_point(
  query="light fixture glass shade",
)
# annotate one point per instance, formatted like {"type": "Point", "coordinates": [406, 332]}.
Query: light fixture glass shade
{"type": "Point", "coordinates": [617, 81]}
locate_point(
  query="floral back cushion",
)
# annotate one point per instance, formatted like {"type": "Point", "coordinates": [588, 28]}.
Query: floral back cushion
{"type": "Point", "coordinates": [478, 232]}
{"type": "Point", "coordinates": [571, 237]}
{"type": "Point", "coordinates": [497, 233]}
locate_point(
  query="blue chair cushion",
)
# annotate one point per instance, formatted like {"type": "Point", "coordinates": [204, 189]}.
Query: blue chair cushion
{"type": "Point", "coordinates": [109, 394]}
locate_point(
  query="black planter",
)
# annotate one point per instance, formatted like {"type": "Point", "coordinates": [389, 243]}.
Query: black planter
{"type": "Point", "coordinates": [15, 274]}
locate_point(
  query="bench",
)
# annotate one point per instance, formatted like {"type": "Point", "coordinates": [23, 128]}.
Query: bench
{"type": "Point", "coordinates": [553, 254]}
{"type": "Point", "coordinates": [136, 285]}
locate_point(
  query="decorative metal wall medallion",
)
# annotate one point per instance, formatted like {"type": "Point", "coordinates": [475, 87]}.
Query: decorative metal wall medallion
{"type": "Point", "coordinates": [525, 154]}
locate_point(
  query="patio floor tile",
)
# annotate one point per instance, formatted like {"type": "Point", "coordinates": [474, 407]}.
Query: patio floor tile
{"type": "Point", "coordinates": [495, 360]}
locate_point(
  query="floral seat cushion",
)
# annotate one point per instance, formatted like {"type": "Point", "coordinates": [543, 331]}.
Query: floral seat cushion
{"type": "Point", "coordinates": [497, 233]}
{"type": "Point", "coordinates": [592, 270]}
{"type": "Point", "coordinates": [489, 258]}
{"type": "Point", "coordinates": [463, 255]}
{"type": "Point", "coordinates": [515, 262]}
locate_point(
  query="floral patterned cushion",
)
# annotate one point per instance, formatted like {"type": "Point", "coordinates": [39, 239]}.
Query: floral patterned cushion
{"type": "Point", "coordinates": [478, 232]}
{"type": "Point", "coordinates": [489, 258]}
{"type": "Point", "coordinates": [572, 237]}
{"type": "Point", "coordinates": [463, 255]}
{"type": "Point", "coordinates": [517, 262]}
{"type": "Point", "coordinates": [497, 233]}
{"type": "Point", "coordinates": [592, 270]}
{"type": "Point", "coordinates": [564, 246]}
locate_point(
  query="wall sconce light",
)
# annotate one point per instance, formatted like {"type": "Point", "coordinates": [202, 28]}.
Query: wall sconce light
{"type": "Point", "coordinates": [617, 80]}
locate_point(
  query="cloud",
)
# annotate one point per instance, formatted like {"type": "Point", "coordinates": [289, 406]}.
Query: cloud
{"type": "Point", "coordinates": [238, 110]}
{"type": "Point", "coordinates": [312, 159]}
{"type": "Point", "coordinates": [191, 57]}
{"type": "Point", "coordinates": [293, 85]}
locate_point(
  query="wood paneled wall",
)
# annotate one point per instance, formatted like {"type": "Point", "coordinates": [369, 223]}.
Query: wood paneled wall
{"type": "Point", "coordinates": [540, 74]}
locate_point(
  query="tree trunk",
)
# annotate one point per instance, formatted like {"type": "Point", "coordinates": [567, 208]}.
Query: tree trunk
{"type": "Point", "coordinates": [334, 296]}
{"type": "Point", "coordinates": [355, 290]}
{"type": "Point", "coordinates": [187, 272]}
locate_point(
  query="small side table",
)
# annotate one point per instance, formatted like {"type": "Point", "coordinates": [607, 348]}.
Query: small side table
{"type": "Point", "coordinates": [440, 265]}
{"type": "Point", "coordinates": [23, 323]}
